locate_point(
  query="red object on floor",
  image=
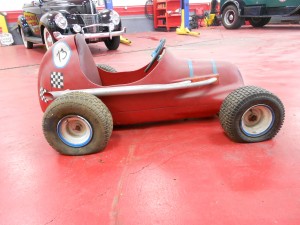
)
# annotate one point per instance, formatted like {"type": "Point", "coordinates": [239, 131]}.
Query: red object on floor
{"type": "Point", "coordinates": [182, 172]}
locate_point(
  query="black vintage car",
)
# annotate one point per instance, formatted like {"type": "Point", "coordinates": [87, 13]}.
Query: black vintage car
{"type": "Point", "coordinates": [258, 12]}
{"type": "Point", "coordinates": [46, 21]}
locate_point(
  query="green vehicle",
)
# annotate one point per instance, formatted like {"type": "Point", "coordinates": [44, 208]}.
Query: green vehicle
{"type": "Point", "coordinates": [258, 12]}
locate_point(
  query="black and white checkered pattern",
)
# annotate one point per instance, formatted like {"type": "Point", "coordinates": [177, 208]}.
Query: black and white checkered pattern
{"type": "Point", "coordinates": [42, 92]}
{"type": "Point", "coordinates": [57, 80]}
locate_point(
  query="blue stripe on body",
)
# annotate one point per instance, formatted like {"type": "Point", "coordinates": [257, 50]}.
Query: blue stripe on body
{"type": "Point", "coordinates": [214, 67]}
{"type": "Point", "coordinates": [190, 63]}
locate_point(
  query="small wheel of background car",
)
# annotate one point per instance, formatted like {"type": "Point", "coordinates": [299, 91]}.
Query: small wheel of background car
{"type": "Point", "coordinates": [107, 68]}
{"type": "Point", "coordinates": [259, 22]}
{"type": "Point", "coordinates": [48, 38]}
{"type": "Point", "coordinates": [27, 44]}
{"type": "Point", "coordinates": [231, 18]}
{"type": "Point", "coordinates": [251, 114]}
{"type": "Point", "coordinates": [112, 44]}
{"type": "Point", "coordinates": [77, 123]}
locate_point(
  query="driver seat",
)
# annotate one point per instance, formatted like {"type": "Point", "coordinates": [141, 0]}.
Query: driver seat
{"type": "Point", "coordinates": [86, 60]}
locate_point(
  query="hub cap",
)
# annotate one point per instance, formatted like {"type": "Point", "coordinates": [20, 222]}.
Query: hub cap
{"type": "Point", "coordinates": [257, 120]}
{"type": "Point", "coordinates": [74, 131]}
{"type": "Point", "coordinates": [229, 17]}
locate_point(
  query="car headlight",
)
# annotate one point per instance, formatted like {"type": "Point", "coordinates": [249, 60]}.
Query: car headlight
{"type": "Point", "coordinates": [115, 18]}
{"type": "Point", "coordinates": [76, 28]}
{"type": "Point", "coordinates": [61, 21]}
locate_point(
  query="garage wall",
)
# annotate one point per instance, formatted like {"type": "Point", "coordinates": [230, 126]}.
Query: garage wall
{"type": "Point", "coordinates": [6, 5]}
{"type": "Point", "coordinates": [142, 2]}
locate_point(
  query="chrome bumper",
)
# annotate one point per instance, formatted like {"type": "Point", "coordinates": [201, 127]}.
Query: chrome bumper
{"type": "Point", "coordinates": [57, 35]}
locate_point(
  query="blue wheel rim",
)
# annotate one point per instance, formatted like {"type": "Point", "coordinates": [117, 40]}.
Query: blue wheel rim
{"type": "Point", "coordinates": [257, 120]}
{"type": "Point", "coordinates": [74, 131]}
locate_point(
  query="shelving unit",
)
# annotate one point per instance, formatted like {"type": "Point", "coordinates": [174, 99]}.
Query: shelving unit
{"type": "Point", "coordinates": [166, 14]}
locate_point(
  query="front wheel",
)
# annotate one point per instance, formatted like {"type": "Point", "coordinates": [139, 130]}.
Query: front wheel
{"type": "Point", "coordinates": [231, 18]}
{"type": "Point", "coordinates": [259, 22]}
{"type": "Point", "coordinates": [113, 44]}
{"type": "Point", "coordinates": [48, 38]}
{"type": "Point", "coordinates": [77, 124]}
{"type": "Point", "coordinates": [251, 114]}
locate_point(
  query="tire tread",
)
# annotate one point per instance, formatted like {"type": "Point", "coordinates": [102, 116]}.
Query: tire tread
{"type": "Point", "coordinates": [236, 100]}
{"type": "Point", "coordinates": [107, 68]}
{"type": "Point", "coordinates": [90, 103]}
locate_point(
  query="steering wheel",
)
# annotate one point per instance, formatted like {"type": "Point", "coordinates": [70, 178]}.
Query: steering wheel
{"type": "Point", "coordinates": [156, 53]}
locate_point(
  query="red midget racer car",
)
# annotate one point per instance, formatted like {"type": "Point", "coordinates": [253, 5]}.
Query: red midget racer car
{"type": "Point", "coordinates": [82, 101]}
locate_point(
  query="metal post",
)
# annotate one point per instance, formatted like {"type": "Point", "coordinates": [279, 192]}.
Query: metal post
{"type": "Point", "coordinates": [186, 13]}
{"type": "Point", "coordinates": [185, 6]}
{"type": "Point", "coordinates": [185, 23]}
{"type": "Point", "coordinates": [108, 4]}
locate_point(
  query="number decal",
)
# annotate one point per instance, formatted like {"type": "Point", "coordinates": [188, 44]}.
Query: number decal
{"type": "Point", "coordinates": [61, 54]}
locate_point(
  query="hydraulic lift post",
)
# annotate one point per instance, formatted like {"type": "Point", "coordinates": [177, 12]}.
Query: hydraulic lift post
{"type": "Point", "coordinates": [185, 14]}
{"type": "Point", "coordinates": [108, 4]}
{"type": "Point", "coordinates": [186, 8]}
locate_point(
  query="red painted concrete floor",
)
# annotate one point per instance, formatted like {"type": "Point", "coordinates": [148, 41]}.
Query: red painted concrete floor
{"type": "Point", "coordinates": [184, 172]}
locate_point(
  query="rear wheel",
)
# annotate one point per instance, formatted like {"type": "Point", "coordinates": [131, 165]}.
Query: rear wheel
{"type": "Point", "coordinates": [107, 68]}
{"type": "Point", "coordinates": [251, 114]}
{"type": "Point", "coordinates": [231, 18]}
{"type": "Point", "coordinates": [259, 22]}
{"type": "Point", "coordinates": [77, 124]}
{"type": "Point", "coordinates": [113, 44]}
{"type": "Point", "coordinates": [27, 44]}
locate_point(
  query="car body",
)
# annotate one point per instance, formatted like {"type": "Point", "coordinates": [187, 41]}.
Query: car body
{"type": "Point", "coordinates": [258, 12]}
{"type": "Point", "coordinates": [46, 21]}
{"type": "Point", "coordinates": [81, 101]}
{"type": "Point", "coordinates": [146, 106]}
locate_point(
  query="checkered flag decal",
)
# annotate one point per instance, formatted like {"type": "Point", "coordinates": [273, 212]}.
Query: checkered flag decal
{"type": "Point", "coordinates": [42, 92]}
{"type": "Point", "coordinates": [57, 80]}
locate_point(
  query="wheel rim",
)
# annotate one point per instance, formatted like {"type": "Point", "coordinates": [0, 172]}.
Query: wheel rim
{"type": "Point", "coordinates": [23, 38]}
{"type": "Point", "coordinates": [74, 131]}
{"type": "Point", "coordinates": [229, 17]}
{"type": "Point", "coordinates": [257, 120]}
{"type": "Point", "coordinates": [48, 39]}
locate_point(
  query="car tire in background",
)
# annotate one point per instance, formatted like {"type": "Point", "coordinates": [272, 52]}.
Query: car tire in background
{"type": "Point", "coordinates": [48, 38]}
{"type": "Point", "coordinates": [231, 18]}
{"type": "Point", "coordinates": [251, 114]}
{"type": "Point", "coordinates": [113, 44]}
{"type": "Point", "coordinates": [259, 22]}
{"type": "Point", "coordinates": [27, 44]}
{"type": "Point", "coordinates": [77, 123]}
